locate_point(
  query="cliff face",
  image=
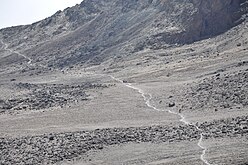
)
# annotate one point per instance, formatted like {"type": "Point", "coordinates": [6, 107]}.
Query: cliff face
{"type": "Point", "coordinates": [214, 17]}
{"type": "Point", "coordinates": [96, 29]}
{"type": "Point", "coordinates": [199, 19]}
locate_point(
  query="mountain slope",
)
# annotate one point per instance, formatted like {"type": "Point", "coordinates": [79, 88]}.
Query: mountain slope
{"type": "Point", "coordinates": [95, 30]}
{"type": "Point", "coordinates": [127, 82]}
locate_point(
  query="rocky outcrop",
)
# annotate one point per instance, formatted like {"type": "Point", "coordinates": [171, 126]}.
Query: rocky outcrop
{"type": "Point", "coordinates": [198, 19]}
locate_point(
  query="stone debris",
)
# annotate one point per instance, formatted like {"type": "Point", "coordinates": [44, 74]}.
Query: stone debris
{"type": "Point", "coordinates": [53, 148]}
{"type": "Point", "coordinates": [42, 96]}
{"type": "Point", "coordinates": [222, 91]}
{"type": "Point", "coordinates": [232, 127]}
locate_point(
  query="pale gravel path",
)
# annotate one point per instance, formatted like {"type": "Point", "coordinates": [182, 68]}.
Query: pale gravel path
{"type": "Point", "coordinates": [147, 98]}
{"type": "Point", "coordinates": [12, 51]}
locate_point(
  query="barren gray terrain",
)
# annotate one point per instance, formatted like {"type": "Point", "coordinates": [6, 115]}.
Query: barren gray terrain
{"type": "Point", "coordinates": [127, 82]}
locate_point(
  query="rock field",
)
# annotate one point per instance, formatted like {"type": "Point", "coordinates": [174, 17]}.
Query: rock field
{"type": "Point", "coordinates": [221, 91]}
{"type": "Point", "coordinates": [42, 96]}
{"type": "Point", "coordinates": [53, 148]}
{"type": "Point", "coordinates": [177, 61]}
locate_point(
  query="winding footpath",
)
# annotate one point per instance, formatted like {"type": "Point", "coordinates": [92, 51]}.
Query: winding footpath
{"type": "Point", "coordinates": [12, 51]}
{"type": "Point", "coordinates": [148, 97]}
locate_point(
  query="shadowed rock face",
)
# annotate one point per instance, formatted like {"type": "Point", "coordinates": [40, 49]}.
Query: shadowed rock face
{"type": "Point", "coordinates": [95, 30]}
{"type": "Point", "coordinates": [214, 17]}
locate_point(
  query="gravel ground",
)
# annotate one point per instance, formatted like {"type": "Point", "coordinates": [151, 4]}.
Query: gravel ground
{"type": "Point", "coordinates": [53, 148]}
{"type": "Point", "coordinates": [42, 96]}
{"type": "Point", "coordinates": [221, 91]}
{"type": "Point", "coordinates": [231, 127]}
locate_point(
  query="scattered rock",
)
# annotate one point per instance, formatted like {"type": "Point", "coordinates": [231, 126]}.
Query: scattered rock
{"type": "Point", "coordinates": [43, 96]}
{"type": "Point", "coordinates": [227, 91]}
{"type": "Point", "coordinates": [172, 104]}
{"type": "Point", "coordinates": [51, 149]}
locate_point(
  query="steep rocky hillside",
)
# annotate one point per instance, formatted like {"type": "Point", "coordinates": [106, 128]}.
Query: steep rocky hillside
{"type": "Point", "coordinates": [95, 30]}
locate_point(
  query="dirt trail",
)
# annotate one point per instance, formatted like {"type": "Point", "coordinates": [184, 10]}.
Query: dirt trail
{"type": "Point", "coordinates": [12, 51]}
{"type": "Point", "coordinates": [148, 97]}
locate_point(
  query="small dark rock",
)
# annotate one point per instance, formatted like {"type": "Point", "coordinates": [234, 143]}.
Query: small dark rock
{"type": "Point", "coordinates": [172, 104]}
{"type": "Point", "coordinates": [51, 138]}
